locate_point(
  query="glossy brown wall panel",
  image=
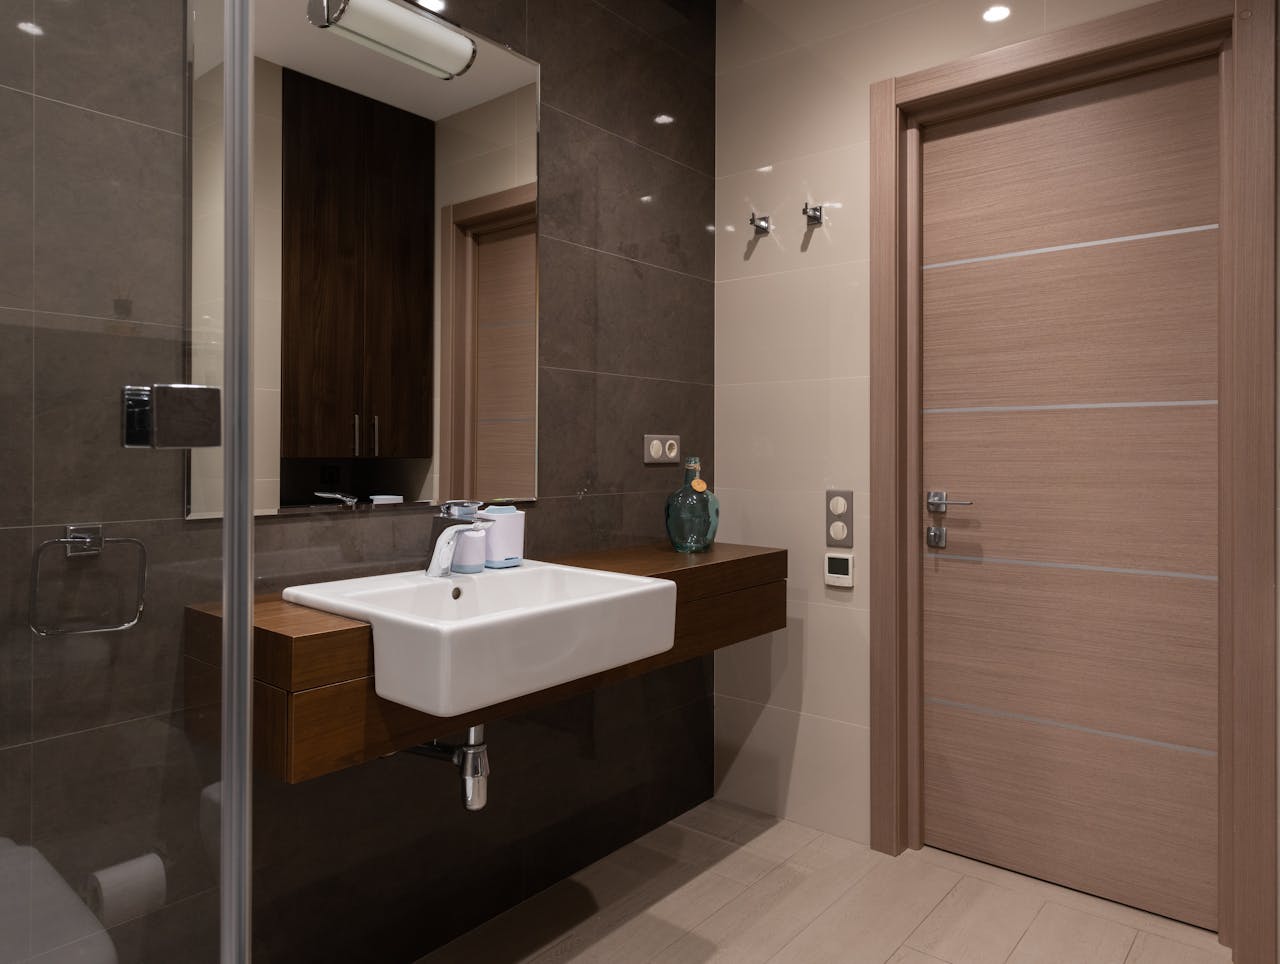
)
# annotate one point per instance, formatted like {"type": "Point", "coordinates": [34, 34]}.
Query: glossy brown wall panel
{"type": "Point", "coordinates": [1133, 156]}
{"type": "Point", "coordinates": [1131, 324]}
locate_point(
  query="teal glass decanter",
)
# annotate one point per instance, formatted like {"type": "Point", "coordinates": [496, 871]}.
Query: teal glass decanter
{"type": "Point", "coordinates": [693, 511]}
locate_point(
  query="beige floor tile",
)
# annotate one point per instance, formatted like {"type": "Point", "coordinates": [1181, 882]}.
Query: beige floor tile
{"type": "Point", "coordinates": [771, 837]}
{"type": "Point", "coordinates": [754, 926]}
{"type": "Point", "coordinates": [1119, 913]}
{"type": "Point", "coordinates": [1062, 935]}
{"type": "Point", "coordinates": [909, 955]}
{"type": "Point", "coordinates": [977, 923]}
{"type": "Point", "coordinates": [870, 921]}
{"type": "Point", "coordinates": [695, 847]}
{"type": "Point", "coordinates": [1150, 949]}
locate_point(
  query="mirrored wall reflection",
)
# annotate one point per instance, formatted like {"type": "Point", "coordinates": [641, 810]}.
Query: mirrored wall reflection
{"type": "Point", "coordinates": [395, 345]}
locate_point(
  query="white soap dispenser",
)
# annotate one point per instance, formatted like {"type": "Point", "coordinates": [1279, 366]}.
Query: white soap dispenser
{"type": "Point", "coordinates": [504, 540]}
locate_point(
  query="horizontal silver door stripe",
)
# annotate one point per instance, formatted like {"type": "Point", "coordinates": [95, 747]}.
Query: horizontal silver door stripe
{"type": "Point", "coordinates": [1072, 565]}
{"type": "Point", "coordinates": [1073, 246]}
{"type": "Point", "coordinates": [1023, 718]}
{"type": "Point", "coordinates": [1069, 406]}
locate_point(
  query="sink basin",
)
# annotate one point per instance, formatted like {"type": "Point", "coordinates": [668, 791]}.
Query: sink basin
{"type": "Point", "coordinates": [447, 646]}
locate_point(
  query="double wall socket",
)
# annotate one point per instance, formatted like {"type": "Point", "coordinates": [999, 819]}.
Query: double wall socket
{"type": "Point", "coordinates": [840, 518]}
{"type": "Point", "coordinates": [661, 449]}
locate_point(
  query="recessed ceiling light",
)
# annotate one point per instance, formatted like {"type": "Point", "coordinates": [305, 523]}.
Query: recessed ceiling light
{"type": "Point", "coordinates": [664, 119]}
{"type": "Point", "coordinates": [32, 28]}
{"type": "Point", "coordinates": [995, 14]}
{"type": "Point", "coordinates": [435, 6]}
{"type": "Point", "coordinates": [646, 199]}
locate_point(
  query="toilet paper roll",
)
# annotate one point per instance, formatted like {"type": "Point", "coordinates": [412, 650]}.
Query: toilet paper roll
{"type": "Point", "coordinates": [124, 891]}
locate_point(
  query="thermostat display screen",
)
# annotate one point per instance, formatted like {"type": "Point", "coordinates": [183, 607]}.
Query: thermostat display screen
{"type": "Point", "coordinates": [838, 567]}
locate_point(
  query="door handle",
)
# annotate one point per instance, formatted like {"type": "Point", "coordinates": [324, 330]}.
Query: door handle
{"type": "Point", "coordinates": [938, 502]}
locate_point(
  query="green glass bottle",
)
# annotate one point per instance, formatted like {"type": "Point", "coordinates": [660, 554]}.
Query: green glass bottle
{"type": "Point", "coordinates": [693, 511]}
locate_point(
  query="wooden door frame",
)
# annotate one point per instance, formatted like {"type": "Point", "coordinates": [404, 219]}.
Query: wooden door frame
{"type": "Point", "coordinates": [1241, 33]}
{"type": "Point", "coordinates": [462, 226]}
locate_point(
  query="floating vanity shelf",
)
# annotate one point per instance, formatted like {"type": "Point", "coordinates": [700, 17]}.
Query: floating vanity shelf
{"type": "Point", "coordinates": [315, 709]}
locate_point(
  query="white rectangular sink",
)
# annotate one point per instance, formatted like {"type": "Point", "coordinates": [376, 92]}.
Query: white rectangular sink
{"type": "Point", "coordinates": [447, 646]}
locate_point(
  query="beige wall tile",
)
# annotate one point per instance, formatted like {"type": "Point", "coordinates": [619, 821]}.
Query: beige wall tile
{"type": "Point", "coordinates": [835, 177]}
{"type": "Point", "coordinates": [809, 769]}
{"type": "Point", "coordinates": [817, 665]}
{"type": "Point", "coordinates": [794, 326]}
{"type": "Point", "coordinates": [1061, 935]}
{"type": "Point", "coordinates": [977, 923]}
{"type": "Point", "coordinates": [1066, 13]}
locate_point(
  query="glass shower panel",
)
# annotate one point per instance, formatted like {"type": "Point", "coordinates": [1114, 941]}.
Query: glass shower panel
{"type": "Point", "coordinates": [110, 773]}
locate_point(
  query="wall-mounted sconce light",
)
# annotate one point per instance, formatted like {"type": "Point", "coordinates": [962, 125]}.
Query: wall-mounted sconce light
{"type": "Point", "coordinates": [760, 222]}
{"type": "Point", "coordinates": [401, 30]}
{"type": "Point", "coordinates": [812, 214]}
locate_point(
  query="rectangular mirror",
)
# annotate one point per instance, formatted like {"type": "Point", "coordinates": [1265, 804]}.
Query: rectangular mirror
{"type": "Point", "coordinates": [395, 260]}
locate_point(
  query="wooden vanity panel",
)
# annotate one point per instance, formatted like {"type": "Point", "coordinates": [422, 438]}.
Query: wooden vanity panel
{"type": "Point", "coordinates": [315, 707]}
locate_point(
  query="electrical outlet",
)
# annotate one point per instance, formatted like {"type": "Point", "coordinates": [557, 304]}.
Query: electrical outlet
{"type": "Point", "coordinates": [840, 518]}
{"type": "Point", "coordinates": [661, 449]}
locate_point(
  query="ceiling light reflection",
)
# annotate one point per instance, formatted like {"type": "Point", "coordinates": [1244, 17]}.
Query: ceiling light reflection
{"type": "Point", "coordinates": [996, 14]}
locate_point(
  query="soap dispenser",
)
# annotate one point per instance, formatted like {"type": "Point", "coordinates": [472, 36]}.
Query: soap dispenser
{"type": "Point", "coordinates": [504, 540]}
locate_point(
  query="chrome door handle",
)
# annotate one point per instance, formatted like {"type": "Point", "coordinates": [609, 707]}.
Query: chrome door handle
{"type": "Point", "coordinates": [938, 502]}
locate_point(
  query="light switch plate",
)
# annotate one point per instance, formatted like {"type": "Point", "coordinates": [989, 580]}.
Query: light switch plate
{"type": "Point", "coordinates": [840, 523]}
{"type": "Point", "coordinates": [661, 449]}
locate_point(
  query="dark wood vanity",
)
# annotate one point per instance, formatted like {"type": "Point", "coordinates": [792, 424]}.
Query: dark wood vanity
{"type": "Point", "coordinates": [315, 708]}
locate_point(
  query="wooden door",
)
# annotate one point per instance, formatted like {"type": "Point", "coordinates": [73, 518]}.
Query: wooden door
{"type": "Point", "coordinates": [506, 346]}
{"type": "Point", "coordinates": [1069, 379]}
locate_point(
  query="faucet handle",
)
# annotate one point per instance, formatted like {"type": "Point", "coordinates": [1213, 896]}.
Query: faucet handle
{"type": "Point", "coordinates": [348, 500]}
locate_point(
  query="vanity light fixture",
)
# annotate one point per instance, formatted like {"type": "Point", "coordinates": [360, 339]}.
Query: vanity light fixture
{"type": "Point", "coordinates": [403, 30]}
{"type": "Point", "coordinates": [995, 14]}
{"type": "Point", "coordinates": [664, 119]}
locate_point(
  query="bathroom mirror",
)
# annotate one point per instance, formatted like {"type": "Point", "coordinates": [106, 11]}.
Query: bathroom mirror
{"type": "Point", "coordinates": [395, 267]}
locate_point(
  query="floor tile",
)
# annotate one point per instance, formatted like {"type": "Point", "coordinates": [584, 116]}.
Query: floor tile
{"type": "Point", "coordinates": [977, 923]}
{"type": "Point", "coordinates": [736, 862]}
{"type": "Point", "coordinates": [1150, 949]}
{"type": "Point", "coordinates": [1061, 935]}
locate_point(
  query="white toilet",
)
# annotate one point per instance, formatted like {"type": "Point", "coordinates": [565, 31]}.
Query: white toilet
{"type": "Point", "coordinates": [40, 912]}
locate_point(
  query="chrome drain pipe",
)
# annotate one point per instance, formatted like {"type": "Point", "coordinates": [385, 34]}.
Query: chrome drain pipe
{"type": "Point", "coordinates": [471, 759]}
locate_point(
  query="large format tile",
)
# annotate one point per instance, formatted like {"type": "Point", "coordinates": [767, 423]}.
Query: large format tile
{"type": "Point", "coordinates": [16, 46]}
{"type": "Point", "coordinates": [688, 27]}
{"type": "Point", "coordinates": [15, 638]}
{"type": "Point", "coordinates": [1066, 13]}
{"type": "Point", "coordinates": [591, 430]}
{"type": "Point", "coordinates": [142, 76]}
{"type": "Point", "coordinates": [977, 923]}
{"type": "Point", "coordinates": [16, 377]}
{"type": "Point", "coordinates": [817, 665]}
{"type": "Point", "coordinates": [871, 920]}
{"type": "Point", "coordinates": [602, 313]}
{"type": "Point", "coordinates": [82, 474]}
{"type": "Point", "coordinates": [602, 69]}
{"type": "Point", "coordinates": [90, 680]}
{"type": "Point", "coordinates": [1149, 949]}
{"type": "Point", "coordinates": [604, 192]}
{"type": "Point", "coordinates": [502, 21]}
{"type": "Point", "coordinates": [16, 147]}
{"type": "Point", "coordinates": [795, 325]}
{"type": "Point", "coordinates": [809, 769]}
{"type": "Point", "coordinates": [1061, 935]}
{"type": "Point", "coordinates": [563, 525]}
{"type": "Point", "coordinates": [838, 179]}
{"type": "Point", "coordinates": [109, 216]}
{"type": "Point", "coordinates": [15, 796]}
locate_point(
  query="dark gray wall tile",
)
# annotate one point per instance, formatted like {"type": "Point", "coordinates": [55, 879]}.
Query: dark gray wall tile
{"type": "Point", "coordinates": [687, 25]}
{"type": "Point", "coordinates": [15, 198]}
{"type": "Point", "coordinates": [92, 680]}
{"type": "Point", "coordinates": [82, 473]}
{"type": "Point", "coordinates": [592, 426]}
{"type": "Point", "coordinates": [563, 525]}
{"type": "Point", "coordinates": [15, 638]}
{"type": "Point", "coordinates": [15, 859]}
{"type": "Point", "coordinates": [15, 797]}
{"type": "Point", "coordinates": [118, 792]}
{"type": "Point", "coordinates": [499, 20]}
{"type": "Point", "coordinates": [602, 69]}
{"type": "Point", "coordinates": [607, 314]}
{"type": "Point", "coordinates": [16, 376]}
{"type": "Point", "coordinates": [142, 78]}
{"type": "Point", "coordinates": [185, 931]}
{"type": "Point", "coordinates": [15, 45]}
{"type": "Point", "coordinates": [590, 189]}
{"type": "Point", "coordinates": [109, 216]}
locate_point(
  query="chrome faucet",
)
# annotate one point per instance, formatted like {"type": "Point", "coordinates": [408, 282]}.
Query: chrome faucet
{"type": "Point", "coordinates": [347, 500]}
{"type": "Point", "coordinates": [442, 557]}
